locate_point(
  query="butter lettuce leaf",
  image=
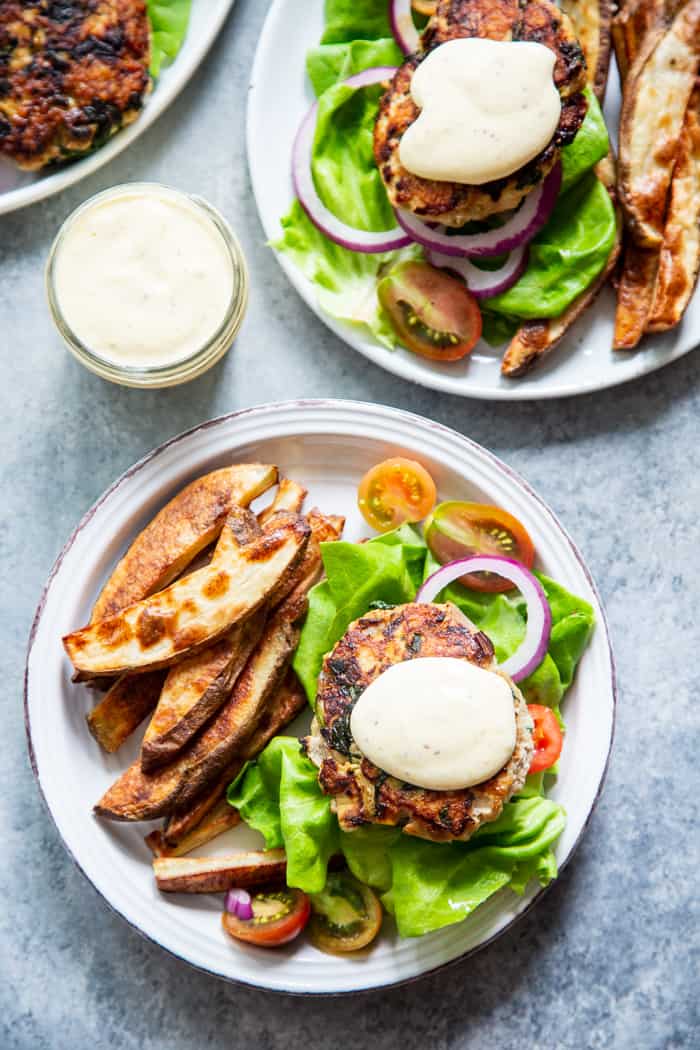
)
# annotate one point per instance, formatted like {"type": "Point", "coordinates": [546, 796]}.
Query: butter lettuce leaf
{"type": "Point", "coordinates": [426, 885]}
{"type": "Point", "coordinates": [348, 20]}
{"type": "Point", "coordinates": [169, 20]}
{"type": "Point", "coordinates": [590, 145]}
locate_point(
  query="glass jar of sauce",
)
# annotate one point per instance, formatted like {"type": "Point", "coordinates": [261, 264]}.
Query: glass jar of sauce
{"type": "Point", "coordinates": [147, 285]}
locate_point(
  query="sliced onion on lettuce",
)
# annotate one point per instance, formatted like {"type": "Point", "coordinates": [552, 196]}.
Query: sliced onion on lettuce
{"type": "Point", "coordinates": [483, 283]}
{"type": "Point", "coordinates": [521, 227]}
{"type": "Point", "coordinates": [322, 217]}
{"type": "Point", "coordinates": [403, 27]}
{"type": "Point", "coordinates": [531, 652]}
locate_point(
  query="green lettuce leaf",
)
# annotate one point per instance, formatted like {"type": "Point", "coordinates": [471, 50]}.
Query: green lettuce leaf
{"type": "Point", "coordinates": [590, 145]}
{"type": "Point", "coordinates": [425, 885]}
{"type": "Point", "coordinates": [329, 63]}
{"type": "Point", "coordinates": [169, 20]}
{"type": "Point", "coordinates": [347, 20]}
{"type": "Point", "coordinates": [278, 795]}
{"type": "Point", "coordinates": [566, 255]}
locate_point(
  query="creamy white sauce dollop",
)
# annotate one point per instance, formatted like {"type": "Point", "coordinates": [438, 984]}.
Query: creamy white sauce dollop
{"type": "Point", "coordinates": [143, 277]}
{"type": "Point", "coordinates": [436, 722]}
{"type": "Point", "coordinates": [487, 108]}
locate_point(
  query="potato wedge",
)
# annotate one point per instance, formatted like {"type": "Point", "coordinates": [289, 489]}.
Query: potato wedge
{"type": "Point", "coordinates": [656, 96]}
{"type": "Point", "coordinates": [186, 525]}
{"type": "Point", "coordinates": [629, 28]}
{"type": "Point", "coordinates": [290, 496]}
{"type": "Point", "coordinates": [680, 255]}
{"type": "Point", "coordinates": [591, 20]}
{"type": "Point", "coordinates": [197, 609]}
{"type": "Point", "coordinates": [195, 689]}
{"type": "Point", "coordinates": [219, 819]}
{"type": "Point", "coordinates": [534, 340]}
{"type": "Point", "coordinates": [124, 707]}
{"type": "Point", "coordinates": [279, 711]}
{"type": "Point", "coordinates": [217, 874]}
{"type": "Point", "coordinates": [635, 293]}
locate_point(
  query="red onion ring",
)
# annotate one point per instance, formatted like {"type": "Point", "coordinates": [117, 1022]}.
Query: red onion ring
{"type": "Point", "coordinates": [521, 227]}
{"type": "Point", "coordinates": [335, 229]}
{"type": "Point", "coordinates": [530, 654]}
{"type": "Point", "coordinates": [403, 27]}
{"type": "Point", "coordinates": [484, 283]}
{"type": "Point", "coordinates": [238, 902]}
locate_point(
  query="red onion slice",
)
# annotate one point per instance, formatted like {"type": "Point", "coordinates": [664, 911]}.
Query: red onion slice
{"type": "Point", "coordinates": [238, 902]}
{"type": "Point", "coordinates": [484, 283]}
{"type": "Point", "coordinates": [533, 648]}
{"type": "Point", "coordinates": [334, 228]}
{"type": "Point", "coordinates": [403, 27]}
{"type": "Point", "coordinates": [521, 227]}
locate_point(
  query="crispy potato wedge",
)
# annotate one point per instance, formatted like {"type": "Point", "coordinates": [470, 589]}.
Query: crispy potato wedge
{"type": "Point", "coordinates": [290, 496]}
{"type": "Point", "coordinates": [591, 20]}
{"type": "Point", "coordinates": [679, 261]}
{"type": "Point", "coordinates": [278, 713]}
{"type": "Point", "coordinates": [124, 707]}
{"type": "Point", "coordinates": [195, 689]}
{"type": "Point", "coordinates": [657, 90]}
{"type": "Point", "coordinates": [629, 28]}
{"type": "Point", "coordinates": [635, 294]}
{"type": "Point", "coordinates": [534, 340]}
{"type": "Point", "coordinates": [200, 607]}
{"type": "Point", "coordinates": [217, 874]}
{"type": "Point", "coordinates": [140, 796]}
{"type": "Point", "coordinates": [186, 525]}
{"type": "Point", "coordinates": [219, 819]}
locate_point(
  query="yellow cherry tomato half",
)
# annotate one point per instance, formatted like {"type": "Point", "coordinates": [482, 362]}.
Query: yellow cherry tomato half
{"type": "Point", "coordinates": [396, 491]}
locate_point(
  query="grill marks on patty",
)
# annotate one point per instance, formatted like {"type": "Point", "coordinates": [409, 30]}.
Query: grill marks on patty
{"type": "Point", "coordinates": [71, 73]}
{"type": "Point", "coordinates": [537, 21]}
{"type": "Point", "coordinates": [363, 793]}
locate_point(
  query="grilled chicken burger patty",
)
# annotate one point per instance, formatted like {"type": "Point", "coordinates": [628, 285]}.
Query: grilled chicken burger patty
{"type": "Point", "coordinates": [361, 792]}
{"type": "Point", "coordinates": [72, 72]}
{"type": "Point", "coordinates": [453, 203]}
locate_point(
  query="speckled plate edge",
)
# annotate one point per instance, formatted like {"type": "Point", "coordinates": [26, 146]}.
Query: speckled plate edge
{"type": "Point", "coordinates": [565, 373]}
{"type": "Point", "coordinates": [399, 417]}
{"type": "Point", "coordinates": [203, 30]}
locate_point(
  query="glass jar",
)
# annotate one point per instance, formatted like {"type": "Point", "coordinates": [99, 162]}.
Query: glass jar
{"type": "Point", "coordinates": [183, 368]}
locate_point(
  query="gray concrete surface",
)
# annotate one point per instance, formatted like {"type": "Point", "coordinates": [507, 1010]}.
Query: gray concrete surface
{"type": "Point", "coordinates": [610, 959]}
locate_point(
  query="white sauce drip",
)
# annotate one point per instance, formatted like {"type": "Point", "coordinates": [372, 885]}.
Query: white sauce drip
{"type": "Point", "coordinates": [436, 722]}
{"type": "Point", "coordinates": [143, 277]}
{"type": "Point", "coordinates": [487, 108]}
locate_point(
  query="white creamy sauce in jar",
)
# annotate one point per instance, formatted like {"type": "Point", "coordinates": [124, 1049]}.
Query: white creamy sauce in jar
{"type": "Point", "coordinates": [487, 108]}
{"type": "Point", "coordinates": [143, 277]}
{"type": "Point", "coordinates": [436, 722]}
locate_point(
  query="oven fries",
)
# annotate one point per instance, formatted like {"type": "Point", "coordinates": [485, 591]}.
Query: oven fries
{"type": "Point", "coordinates": [591, 20]}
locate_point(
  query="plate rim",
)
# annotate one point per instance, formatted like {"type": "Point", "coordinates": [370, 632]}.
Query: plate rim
{"type": "Point", "coordinates": [262, 410]}
{"type": "Point", "coordinates": [188, 59]}
{"type": "Point", "coordinates": [392, 362]}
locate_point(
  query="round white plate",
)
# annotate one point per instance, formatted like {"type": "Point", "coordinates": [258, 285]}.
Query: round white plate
{"type": "Point", "coordinates": [279, 97]}
{"type": "Point", "coordinates": [18, 188]}
{"type": "Point", "coordinates": [327, 446]}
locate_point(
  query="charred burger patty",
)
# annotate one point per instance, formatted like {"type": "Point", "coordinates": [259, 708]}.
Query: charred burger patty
{"type": "Point", "coordinates": [72, 72]}
{"type": "Point", "coordinates": [363, 793]}
{"type": "Point", "coordinates": [453, 203]}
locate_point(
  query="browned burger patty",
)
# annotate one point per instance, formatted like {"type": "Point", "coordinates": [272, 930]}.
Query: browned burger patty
{"type": "Point", "coordinates": [71, 73]}
{"type": "Point", "coordinates": [454, 203]}
{"type": "Point", "coordinates": [363, 793]}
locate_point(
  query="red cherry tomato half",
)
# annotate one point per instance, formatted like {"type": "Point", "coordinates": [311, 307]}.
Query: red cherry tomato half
{"type": "Point", "coordinates": [395, 491]}
{"type": "Point", "coordinates": [547, 737]}
{"type": "Point", "coordinates": [457, 529]}
{"type": "Point", "coordinates": [433, 313]}
{"type": "Point", "coordinates": [278, 917]}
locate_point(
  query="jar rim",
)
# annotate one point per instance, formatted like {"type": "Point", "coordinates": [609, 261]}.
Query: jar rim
{"type": "Point", "coordinates": [185, 368]}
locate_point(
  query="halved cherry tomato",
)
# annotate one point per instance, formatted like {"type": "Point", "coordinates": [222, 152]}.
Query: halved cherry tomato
{"type": "Point", "coordinates": [395, 491]}
{"type": "Point", "coordinates": [346, 915]}
{"type": "Point", "coordinates": [457, 529]}
{"type": "Point", "coordinates": [433, 313]}
{"type": "Point", "coordinates": [278, 917]}
{"type": "Point", "coordinates": [547, 737]}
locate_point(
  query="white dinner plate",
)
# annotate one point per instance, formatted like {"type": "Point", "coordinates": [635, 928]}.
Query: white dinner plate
{"type": "Point", "coordinates": [327, 446]}
{"type": "Point", "coordinates": [280, 95]}
{"type": "Point", "coordinates": [18, 188]}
